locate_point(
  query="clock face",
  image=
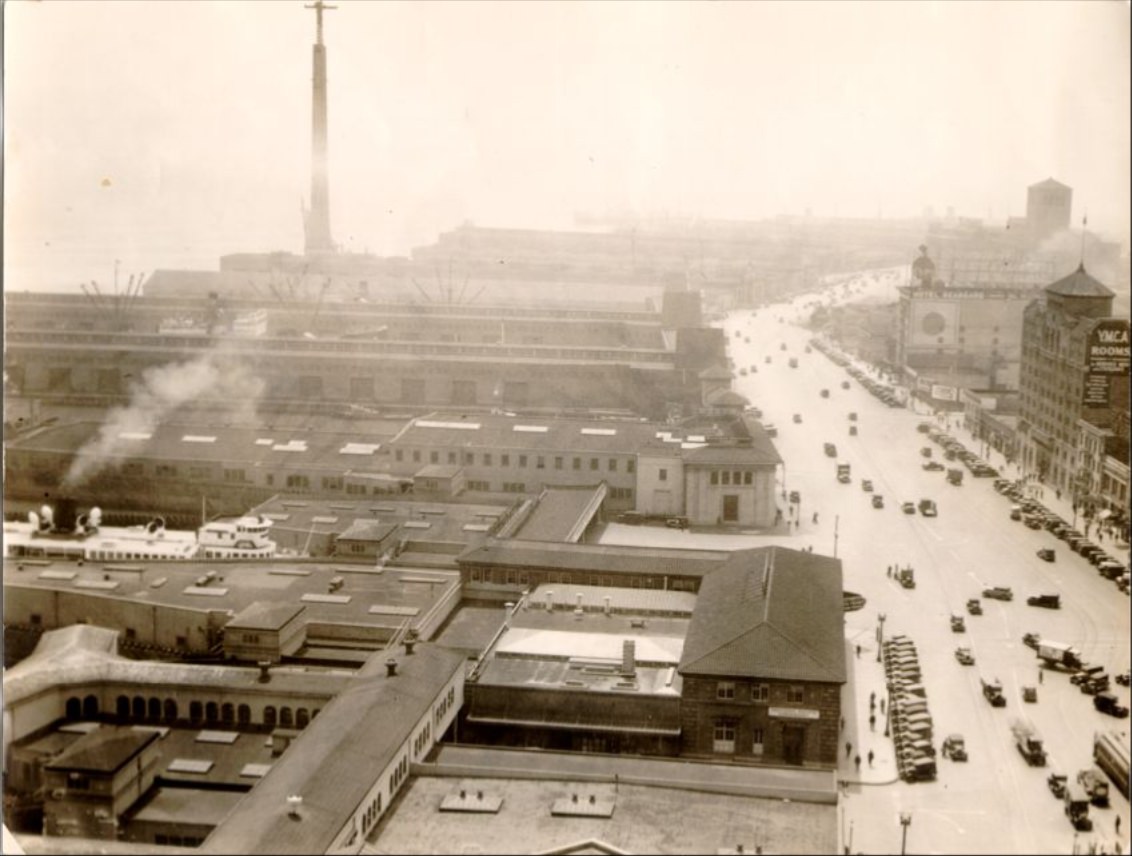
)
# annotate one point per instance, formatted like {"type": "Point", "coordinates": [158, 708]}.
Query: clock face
{"type": "Point", "coordinates": [933, 323]}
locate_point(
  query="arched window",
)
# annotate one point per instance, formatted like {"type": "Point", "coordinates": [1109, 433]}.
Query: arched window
{"type": "Point", "coordinates": [286, 718]}
{"type": "Point", "coordinates": [139, 708]}
{"type": "Point", "coordinates": [74, 708]}
{"type": "Point", "coordinates": [170, 710]}
{"type": "Point", "coordinates": [90, 706]}
{"type": "Point", "coordinates": [196, 712]}
{"type": "Point", "coordinates": [123, 707]}
{"type": "Point", "coordinates": [269, 716]}
{"type": "Point", "coordinates": [211, 712]}
{"type": "Point", "coordinates": [302, 717]}
{"type": "Point", "coordinates": [227, 713]}
{"type": "Point", "coordinates": [243, 714]}
{"type": "Point", "coordinates": [155, 709]}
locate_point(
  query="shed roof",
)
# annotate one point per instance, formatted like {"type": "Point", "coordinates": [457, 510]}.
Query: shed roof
{"type": "Point", "coordinates": [104, 750]}
{"type": "Point", "coordinates": [336, 759]}
{"type": "Point", "coordinates": [594, 557]}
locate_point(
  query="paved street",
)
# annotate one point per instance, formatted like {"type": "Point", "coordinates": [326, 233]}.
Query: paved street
{"type": "Point", "coordinates": [995, 803]}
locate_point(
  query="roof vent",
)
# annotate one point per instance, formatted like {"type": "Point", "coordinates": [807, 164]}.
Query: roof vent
{"type": "Point", "coordinates": [409, 643]}
{"type": "Point", "coordinates": [264, 671]}
{"type": "Point", "coordinates": [390, 668]}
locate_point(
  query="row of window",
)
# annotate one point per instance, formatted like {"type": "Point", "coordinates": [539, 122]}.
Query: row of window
{"type": "Point", "coordinates": [523, 461]}
{"type": "Point", "coordinates": [726, 690]}
{"type": "Point", "coordinates": [153, 709]}
{"type": "Point", "coordinates": [724, 733]}
{"type": "Point", "coordinates": [732, 477]}
{"type": "Point", "coordinates": [521, 576]}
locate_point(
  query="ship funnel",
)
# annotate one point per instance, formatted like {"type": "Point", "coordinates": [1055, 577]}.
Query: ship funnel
{"type": "Point", "coordinates": [47, 516]}
{"type": "Point", "coordinates": [66, 517]}
{"type": "Point", "coordinates": [156, 525]}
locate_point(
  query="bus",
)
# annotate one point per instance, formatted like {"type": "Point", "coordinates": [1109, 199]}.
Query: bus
{"type": "Point", "coordinates": [1110, 751]}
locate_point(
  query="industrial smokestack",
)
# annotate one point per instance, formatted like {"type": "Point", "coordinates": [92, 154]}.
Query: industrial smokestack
{"type": "Point", "coordinates": [317, 224]}
{"type": "Point", "coordinates": [66, 517]}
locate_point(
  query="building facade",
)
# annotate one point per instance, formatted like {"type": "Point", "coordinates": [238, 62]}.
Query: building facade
{"type": "Point", "coordinates": [1061, 381]}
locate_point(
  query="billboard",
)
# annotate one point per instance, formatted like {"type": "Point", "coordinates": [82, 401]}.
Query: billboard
{"type": "Point", "coordinates": [1108, 348]}
{"type": "Point", "coordinates": [1106, 356]}
{"type": "Point", "coordinates": [944, 393]}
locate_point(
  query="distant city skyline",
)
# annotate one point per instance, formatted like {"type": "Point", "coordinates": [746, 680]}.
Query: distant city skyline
{"type": "Point", "coordinates": [167, 134]}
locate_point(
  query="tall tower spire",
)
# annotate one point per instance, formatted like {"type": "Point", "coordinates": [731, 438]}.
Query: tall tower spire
{"type": "Point", "coordinates": [317, 218]}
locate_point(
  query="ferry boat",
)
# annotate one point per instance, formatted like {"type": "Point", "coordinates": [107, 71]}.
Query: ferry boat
{"type": "Point", "coordinates": [46, 535]}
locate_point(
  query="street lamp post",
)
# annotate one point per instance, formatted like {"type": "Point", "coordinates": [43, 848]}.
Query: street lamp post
{"type": "Point", "coordinates": [880, 634]}
{"type": "Point", "coordinates": [905, 822]}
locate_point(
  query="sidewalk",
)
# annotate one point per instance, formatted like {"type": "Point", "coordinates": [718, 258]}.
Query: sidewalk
{"type": "Point", "coordinates": [864, 676]}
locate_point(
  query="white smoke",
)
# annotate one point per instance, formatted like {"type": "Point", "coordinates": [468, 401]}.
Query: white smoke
{"type": "Point", "coordinates": [161, 392]}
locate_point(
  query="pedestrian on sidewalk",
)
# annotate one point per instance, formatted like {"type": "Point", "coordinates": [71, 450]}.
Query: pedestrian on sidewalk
{"type": "Point", "coordinates": [848, 748]}
{"type": "Point", "coordinates": [872, 722]}
{"type": "Point", "coordinates": [858, 652]}
{"type": "Point", "coordinates": [882, 707]}
{"type": "Point", "coordinates": [815, 517]}
{"type": "Point", "coordinates": [1118, 824]}
{"type": "Point", "coordinates": [843, 723]}
{"type": "Point", "coordinates": [871, 763]}
{"type": "Point", "coordinates": [1041, 675]}
{"type": "Point", "coordinates": [872, 699]}
{"type": "Point", "coordinates": [857, 762]}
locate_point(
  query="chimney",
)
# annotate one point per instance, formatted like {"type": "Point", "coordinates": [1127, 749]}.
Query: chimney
{"type": "Point", "coordinates": [264, 673]}
{"type": "Point", "coordinates": [390, 668]}
{"type": "Point", "coordinates": [628, 657]}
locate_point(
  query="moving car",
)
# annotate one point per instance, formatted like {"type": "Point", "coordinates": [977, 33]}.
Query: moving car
{"type": "Point", "coordinates": [957, 624]}
{"type": "Point", "coordinates": [1046, 554]}
{"type": "Point", "coordinates": [1029, 694]}
{"type": "Point", "coordinates": [908, 507]}
{"type": "Point", "coordinates": [932, 466]}
{"type": "Point", "coordinates": [927, 508]}
{"type": "Point", "coordinates": [844, 384]}
{"type": "Point", "coordinates": [964, 656]}
{"type": "Point", "coordinates": [999, 593]}
{"type": "Point", "coordinates": [878, 501]}
{"type": "Point", "coordinates": [954, 748]}
{"type": "Point", "coordinates": [830, 450]}
{"type": "Point", "coordinates": [795, 496]}
{"type": "Point", "coordinates": [1048, 601]}
{"type": "Point", "coordinates": [867, 485]}
{"type": "Point", "coordinates": [974, 606]}
{"type": "Point", "coordinates": [797, 418]}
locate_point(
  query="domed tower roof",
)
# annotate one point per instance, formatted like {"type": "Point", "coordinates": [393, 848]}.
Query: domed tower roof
{"type": "Point", "coordinates": [1079, 284]}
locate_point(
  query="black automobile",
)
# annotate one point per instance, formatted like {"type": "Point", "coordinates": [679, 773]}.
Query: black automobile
{"type": "Point", "coordinates": [1046, 554]}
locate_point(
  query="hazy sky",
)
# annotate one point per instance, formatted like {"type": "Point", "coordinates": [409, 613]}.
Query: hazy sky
{"type": "Point", "coordinates": [166, 133]}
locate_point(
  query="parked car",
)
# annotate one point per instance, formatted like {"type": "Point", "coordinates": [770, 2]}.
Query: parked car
{"type": "Point", "coordinates": [867, 485]}
{"type": "Point", "coordinates": [928, 508]}
{"type": "Point", "coordinates": [975, 606]}
{"type": "Point", "coordinates": [932, 466]}
{"type": "Point", "coordinates": [954, 747]}
{"type": "Point", "coordinates": [964, 656]}
{"type": "Point", "coordinates": [908, 507]}
{"type": "Point", "coordinates": [957, 624]}
{"type": "Point", "coordinates": [1048, 601]}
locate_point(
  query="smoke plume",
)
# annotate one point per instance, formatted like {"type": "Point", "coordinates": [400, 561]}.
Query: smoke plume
{"type": "Point", "coordinates": [163, 390]}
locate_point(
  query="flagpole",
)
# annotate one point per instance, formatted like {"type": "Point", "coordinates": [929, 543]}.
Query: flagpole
{"type": "Point", "coordinates": [1084, 223]}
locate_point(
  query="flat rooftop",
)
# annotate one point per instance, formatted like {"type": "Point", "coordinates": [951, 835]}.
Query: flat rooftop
{"type": "Point", "coordinates": [644, 820]}
{"type": "Point", "coordinates": [369, 596]}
